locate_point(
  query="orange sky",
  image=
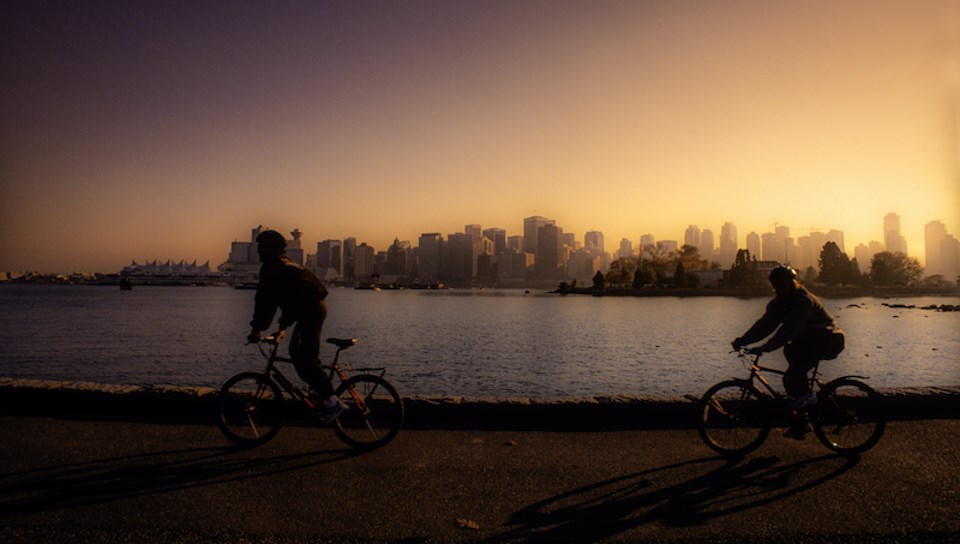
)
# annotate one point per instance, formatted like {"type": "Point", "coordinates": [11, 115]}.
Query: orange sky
{"type": "Point", "coordinates": [166, 130]}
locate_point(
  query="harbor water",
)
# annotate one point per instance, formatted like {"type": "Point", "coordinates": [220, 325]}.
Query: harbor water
{"type": "Point", "coordinates": [471, 343]}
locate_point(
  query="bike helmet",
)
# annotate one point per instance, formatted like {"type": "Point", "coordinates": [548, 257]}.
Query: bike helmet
{"type": "Point", "coordinates": [272, 241]}
{"type": "Point", "coordinates": [782, 273]}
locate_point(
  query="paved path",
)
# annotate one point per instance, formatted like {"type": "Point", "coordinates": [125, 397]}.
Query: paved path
{"type": "Point", "coordinates": [90, 481]}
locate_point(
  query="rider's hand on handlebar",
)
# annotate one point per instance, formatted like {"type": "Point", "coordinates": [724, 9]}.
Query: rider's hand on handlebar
{"type": "Point", "coordinates": [755, 351]}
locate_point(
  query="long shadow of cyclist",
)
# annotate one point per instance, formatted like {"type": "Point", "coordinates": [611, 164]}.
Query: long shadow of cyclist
{"type": "Point", "coordinates": [678, 495]}
{"type": "Point", "coordinates": [118, 478]}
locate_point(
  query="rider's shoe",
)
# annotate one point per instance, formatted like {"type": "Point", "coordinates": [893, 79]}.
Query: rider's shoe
{"type": "Point", "coordinates": [797, 431]}
{"type": "Point", "coordinates": [329, 414]}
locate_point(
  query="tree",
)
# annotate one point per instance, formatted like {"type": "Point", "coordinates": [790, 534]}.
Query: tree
{"type": "Point", "coordinates": [680, 275]}
{"type": "Point", "coordinates": [894, 269]}
{"type": "Point", "coordinates": [744, 272]}
{"type": "Point", "coordinates": [599, 282]}
{"type": "Point", "coordinates": [621, 272]}
{"type": "Point", "coordinates": [835, 266]}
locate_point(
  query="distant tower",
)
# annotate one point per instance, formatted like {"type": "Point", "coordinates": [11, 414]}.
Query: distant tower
{"type": "Point", "coordinates": [531, 226]}
{"type": "Point", "coordinates": [892, 239]}
{"type": "Point", "coordinates": [691, 237]}
{"type": "Point", "coordinates": [933, 235]}
{"type": "Point", "coordinates": [593, 240]}
{"type": "Point", "coordinates": [728, 244]}
{"type": "Point", "coordinates": [708, 245]}
{"type": "Point", "coordinates": [753, 245]}
{"type": "Point", "coordinates": [294, 251]}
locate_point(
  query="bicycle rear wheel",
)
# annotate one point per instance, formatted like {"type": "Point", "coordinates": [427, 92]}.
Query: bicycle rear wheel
{"type": "Point", "coordinates": [734, 418]}
{"type": "Point", "coordinates": [251, 408]}
{"type": "Point", "coordinates": [848, 417]}
{"type": "Point", "coordinates": [374, 412]}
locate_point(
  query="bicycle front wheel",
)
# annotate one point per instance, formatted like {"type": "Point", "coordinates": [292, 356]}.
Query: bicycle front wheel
{"type": "Point", "coordinates": [251, 408]}
{"type": "Point", "coordinates": [374, 412]}
{"type": "Point", "coordinates": [733, 418]}
{"type": "Point", "coordinates": [848, 417]}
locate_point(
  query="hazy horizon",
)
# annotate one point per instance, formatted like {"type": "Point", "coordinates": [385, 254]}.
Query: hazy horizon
{"type": "Point", "coordinates": [166, 130]}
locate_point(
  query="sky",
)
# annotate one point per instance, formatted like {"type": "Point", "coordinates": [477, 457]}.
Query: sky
{"type": "Point", "coordinates": [164, 129]}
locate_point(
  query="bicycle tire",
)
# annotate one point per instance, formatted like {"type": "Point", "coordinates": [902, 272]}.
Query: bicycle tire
{"type": "Point", "coordinates": [379, 422]}
{"type": "Point", "coordinates": [848, 417]}
{"type": "Point", "coordinates": [734, 419]}
{"type": "Point", "coordinates": [251, 408]}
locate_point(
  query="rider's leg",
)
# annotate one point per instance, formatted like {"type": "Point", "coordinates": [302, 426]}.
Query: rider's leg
{"type": "Point", "coordinates": [800, 361]}
{"type": "Point", "coordinates": [305, 350]}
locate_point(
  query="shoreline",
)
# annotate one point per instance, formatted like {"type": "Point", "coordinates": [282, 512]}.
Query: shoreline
{"type": "Point", "coordinates": [169, 404]}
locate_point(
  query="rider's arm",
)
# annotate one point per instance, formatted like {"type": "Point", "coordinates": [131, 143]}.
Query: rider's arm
{"type": "Point", "coordinates": [763, 327]}
{"type": "Point", "coordinates": [797, 314]}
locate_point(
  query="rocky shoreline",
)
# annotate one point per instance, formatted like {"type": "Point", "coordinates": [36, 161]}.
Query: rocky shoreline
{"type": "Point", "coordinates": [166, 404]}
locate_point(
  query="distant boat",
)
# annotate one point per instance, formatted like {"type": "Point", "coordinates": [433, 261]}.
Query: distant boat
{"type": "Point", "coordinates": [126, 284]}
{"type": "Point", "coordinates": [245, 286]}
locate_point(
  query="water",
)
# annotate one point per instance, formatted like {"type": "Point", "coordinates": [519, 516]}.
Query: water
{"type": "Point", "coordinates": [456, 343]}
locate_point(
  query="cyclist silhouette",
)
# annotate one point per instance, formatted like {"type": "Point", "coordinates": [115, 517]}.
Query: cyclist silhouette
{"type": "Point", "coordinates": [807, 333]}
{"type": "Point", "coordinates": [299, 294]}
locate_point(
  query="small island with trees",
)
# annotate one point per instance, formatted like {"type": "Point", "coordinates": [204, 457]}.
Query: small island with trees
{"type": "Point", "coordinates": [665, 273]}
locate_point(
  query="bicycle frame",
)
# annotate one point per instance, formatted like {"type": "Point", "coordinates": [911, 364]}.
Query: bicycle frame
{"type": "Point", "coordinates": [816, 381]}
{"type": "Point", "coordinates": [333, 369]}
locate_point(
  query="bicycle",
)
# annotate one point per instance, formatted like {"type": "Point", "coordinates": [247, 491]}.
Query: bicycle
{"type": "Point", "coordinates": [736, 415]}
{"type": "Point", "coordinates": [252, 407]}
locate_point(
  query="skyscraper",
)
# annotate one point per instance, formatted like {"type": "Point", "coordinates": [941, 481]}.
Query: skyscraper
{"type": "Point", "coordinates": [708, 246]}
{"type": "Point", "coordinates": [329, 260]}
{"type": "Point", "coordinates": [933, 235]}
{"type": "Point", "coordinates": [498, 237]}
{"type": "Point", "coordinates": [593, 240]}
{"type": "Point", "coordinates": [691, 237]}
{"type": "Point", "coordinates": [728, 244]}
{"type": "Point", "coordinates": [429, 254]}
{"type": "Point", "coordinates": [549, 252]}
{"type": "Point", "coordinates": [753, 245]}
{"type": "Point", "coordinates": [531, 226]}
{"type": "Point", "coordinates": [892, 239]}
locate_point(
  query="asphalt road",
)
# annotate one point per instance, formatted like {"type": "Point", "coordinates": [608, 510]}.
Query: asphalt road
{"type": "Point", "coordinates": [93, 481]}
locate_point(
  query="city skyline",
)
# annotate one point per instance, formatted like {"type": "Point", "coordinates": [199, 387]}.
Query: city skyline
{"type": "Point", "coordinates": [159, 130]}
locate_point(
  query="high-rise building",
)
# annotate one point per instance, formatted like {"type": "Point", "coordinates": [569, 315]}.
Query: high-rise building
{"type": "Point", "coordinates": [933, 235]}
{"type": "Point", "coordinates": [429, 255]}
{"type": "Point", "coordinates": [548, 264]}
{"type": "Point", "coordinates": [515, 242]}
{"type": "Point", "coordinates": [459, 257]}
{"type": "Point", "coordinates": [499, 238]}
{"type": "Point", "coordinates": [892, 238]}
{"type": "Point", "coordinates": [531, 226]}
{"type": "Point", "coordinates": [646, 240]}
{"type": "Point", "coordinates": [473, 230]}
{"type": "Point", "coordinates": [753, 245]}
{"type": "Point", "coordinates": [950, 259]}
{"type": "Point", "coordinates": [329, 260]}
{"type": "Point", "coordinates": [363, 266]}
{"type": "Point", "coordinates": [728, 244]}
{"type": "Point", "coordinates": [349, 256]}
{"type": "Point", "coordinates": [691, 237]}
{"type": "Point", "coordinates": [708, 246]}
{"type": "Point", "coordinates": [593, 240]}
{"type": "Point", "coordinates": [626, 249]}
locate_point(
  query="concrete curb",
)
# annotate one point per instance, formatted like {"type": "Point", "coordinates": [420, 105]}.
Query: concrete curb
{"type": "Point", "coordinates": [169, 404]}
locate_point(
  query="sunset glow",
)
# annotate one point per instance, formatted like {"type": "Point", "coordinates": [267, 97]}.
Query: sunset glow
{"type": "Point", "coordinates": [164, 130]}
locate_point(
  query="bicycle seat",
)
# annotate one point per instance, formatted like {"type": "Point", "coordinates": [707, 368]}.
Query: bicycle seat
{"type": "Point", "coordinates": [343, 343]}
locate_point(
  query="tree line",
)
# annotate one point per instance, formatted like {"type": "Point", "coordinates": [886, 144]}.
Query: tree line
{"type": "Point", "coordinates": [660, 266]}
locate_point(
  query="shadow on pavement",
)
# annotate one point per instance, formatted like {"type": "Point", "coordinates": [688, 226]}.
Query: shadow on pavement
{"type": "Point", "coordinates": [118, 478]}
{"type": "Point", "coordinates": [683, 494]}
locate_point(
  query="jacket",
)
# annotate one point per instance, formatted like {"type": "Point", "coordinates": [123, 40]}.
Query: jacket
{"type": "Point", "coordinates": [288, 286]}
